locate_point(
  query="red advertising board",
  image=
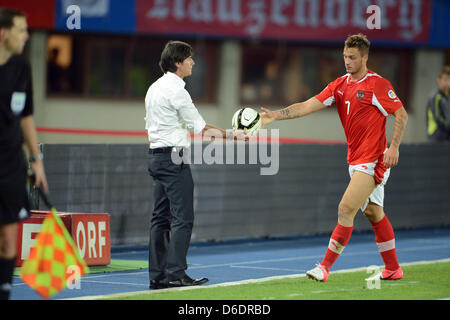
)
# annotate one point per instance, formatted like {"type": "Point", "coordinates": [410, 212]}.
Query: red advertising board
{"type": "Point", "coordinates": [28, 231]}
{"type": "Point", "coordinates": [90, 232]}
{"type": "Point", "coordinates": [399, 20]}
{"type": "Point", "coordinates": [40, 14]}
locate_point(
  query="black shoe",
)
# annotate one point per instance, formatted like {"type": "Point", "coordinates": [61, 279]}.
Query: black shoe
{"type": "Point", "coordinates": [187, 281]}
{"type": "Point", "coordinates": [159, 284]}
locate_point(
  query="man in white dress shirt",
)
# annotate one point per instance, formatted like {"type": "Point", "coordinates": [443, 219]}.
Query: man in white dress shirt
{"type": "Point", "coordinates": [170, 114]}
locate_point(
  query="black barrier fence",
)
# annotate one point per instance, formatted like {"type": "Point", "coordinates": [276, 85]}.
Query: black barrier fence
{"type": "Point", "coordinates": [299, 194]}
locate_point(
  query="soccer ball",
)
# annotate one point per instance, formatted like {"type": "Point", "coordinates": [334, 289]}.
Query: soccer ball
{"type": "Point", "coordinates": [247, 119]}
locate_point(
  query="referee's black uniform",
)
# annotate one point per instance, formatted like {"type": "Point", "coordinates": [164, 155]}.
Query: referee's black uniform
{"type": "Point", "coordinates": [16, 101]}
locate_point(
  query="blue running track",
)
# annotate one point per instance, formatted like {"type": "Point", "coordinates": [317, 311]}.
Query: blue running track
{"type": "Point", "coordinates": [254, 259]}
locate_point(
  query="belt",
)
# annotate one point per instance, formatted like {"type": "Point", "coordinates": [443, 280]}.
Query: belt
{"type": "Point", "coordinates": [166, 150]}
{"type": "Point", "coordinates": [160, 150]}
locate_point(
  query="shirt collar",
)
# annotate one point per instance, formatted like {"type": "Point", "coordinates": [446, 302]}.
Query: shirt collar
{"type": "Point", "coordinates": [176, 78]}
{"type": "Point", "coordinates": [368, 74]}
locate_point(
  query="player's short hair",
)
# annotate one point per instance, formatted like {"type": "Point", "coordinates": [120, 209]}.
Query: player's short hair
{"type": "Point", "coordinates": [174, 51]}
{"type": "Point", "coordinates": [445, 71]}
{"type": "Point", "coordinates": [7, 16]}
{"type": "Point", "coordinates": [359, 41]}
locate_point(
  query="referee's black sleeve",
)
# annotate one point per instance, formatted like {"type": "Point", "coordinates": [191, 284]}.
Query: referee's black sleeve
{"type": "Point", "coordinates": [25, 85]}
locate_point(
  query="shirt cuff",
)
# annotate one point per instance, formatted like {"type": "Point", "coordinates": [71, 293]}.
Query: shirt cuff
{"type": "Point", "coordinates": [199, 126]}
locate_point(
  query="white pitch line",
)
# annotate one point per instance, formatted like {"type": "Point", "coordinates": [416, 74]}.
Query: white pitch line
{"type": "Point", "coordinates": [266, 268]}
{"type": "Point", "coordinates": [112, 274]}
{"type": "Point", "coordinates": [225, 284]}
{"type": "Point", "coordinates": [116, 283]}
{"type": "Point", "coordinates": [234, 283]}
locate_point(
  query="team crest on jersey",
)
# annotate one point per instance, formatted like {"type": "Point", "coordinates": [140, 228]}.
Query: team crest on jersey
{"type": "Point", "coordinates": [360, 95]}
{"type": "Point", "coordinates": [392, 94]}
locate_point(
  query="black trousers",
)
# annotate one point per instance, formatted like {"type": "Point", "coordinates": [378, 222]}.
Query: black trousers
{"type": "Point", "coordinates": [14, 202]}
{"type": "Point", "coordinates": [172, 218]}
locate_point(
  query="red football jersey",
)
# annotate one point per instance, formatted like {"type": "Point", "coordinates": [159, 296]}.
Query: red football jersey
{"type": "Point", "coordinates": [363, 107]}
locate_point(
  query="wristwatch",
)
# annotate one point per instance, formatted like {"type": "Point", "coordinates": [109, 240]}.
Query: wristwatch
{"type": "Point", "coordinates": [39, 156]}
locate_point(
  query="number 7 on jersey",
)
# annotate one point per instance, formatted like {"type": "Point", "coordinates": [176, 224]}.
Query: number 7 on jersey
{"type": "Point", "coordinates": [348, 106]}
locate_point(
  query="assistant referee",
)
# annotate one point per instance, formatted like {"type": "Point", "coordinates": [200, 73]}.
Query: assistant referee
{"type": "Point", "coordinates": [16, 126]}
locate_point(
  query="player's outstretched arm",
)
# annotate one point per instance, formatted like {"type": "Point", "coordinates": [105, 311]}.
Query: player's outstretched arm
{"type": "Point", "coordinates": [296, 110]}
{"type": "Point", "coordinates": [392, 154]}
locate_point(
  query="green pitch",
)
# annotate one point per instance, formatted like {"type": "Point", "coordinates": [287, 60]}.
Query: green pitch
{"type": "Point", "coordinates": [422, 281]}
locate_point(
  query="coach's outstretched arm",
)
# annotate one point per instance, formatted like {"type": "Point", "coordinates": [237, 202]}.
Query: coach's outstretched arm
{"type": "Point", "coordinates": [215, 132]}
{"type": "Point", "coordinates": [296, 110]}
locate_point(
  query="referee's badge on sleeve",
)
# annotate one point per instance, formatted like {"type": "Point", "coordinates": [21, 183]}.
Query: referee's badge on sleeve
{"type": "Point", "coordinates": [18, 100]}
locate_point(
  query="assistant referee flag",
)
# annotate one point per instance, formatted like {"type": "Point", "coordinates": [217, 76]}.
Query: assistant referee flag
{"type": "Point", "coordinates": [54, 261]}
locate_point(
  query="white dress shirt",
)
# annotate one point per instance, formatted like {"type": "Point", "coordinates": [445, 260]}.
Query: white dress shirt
{"type": "Point", "coordinates": [170, 113]}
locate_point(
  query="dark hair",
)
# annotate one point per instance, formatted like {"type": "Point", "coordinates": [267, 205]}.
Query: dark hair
{"type": "Point", "coordinates": [445, 71]}
{"type": "Point", "coordinates": [359, 41]}
{"type": "Point", "coordinates": [7, 16]}
{"type": "Point", "coordinates": [174, 51]}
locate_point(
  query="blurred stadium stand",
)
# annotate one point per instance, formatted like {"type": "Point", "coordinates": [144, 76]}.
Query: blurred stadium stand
{"type": "Point", "coordinates": [253, 53]}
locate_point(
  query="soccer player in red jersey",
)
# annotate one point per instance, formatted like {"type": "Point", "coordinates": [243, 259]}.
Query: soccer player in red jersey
{"type": "Point", "coordinates": [363, 100]}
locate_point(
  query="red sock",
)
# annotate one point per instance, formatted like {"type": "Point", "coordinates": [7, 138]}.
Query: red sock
{"type": "Point", "coordinates": [385, 239]}
{"type": "Point", "coordinates": [339, 239]}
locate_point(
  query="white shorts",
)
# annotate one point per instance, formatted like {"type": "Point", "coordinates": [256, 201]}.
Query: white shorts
{"type": "Point", "coordinates": [373, 168]}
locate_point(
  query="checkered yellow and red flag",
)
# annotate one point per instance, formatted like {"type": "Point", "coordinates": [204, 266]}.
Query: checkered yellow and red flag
{"type": "Point", "coordinates": [54, 259]}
